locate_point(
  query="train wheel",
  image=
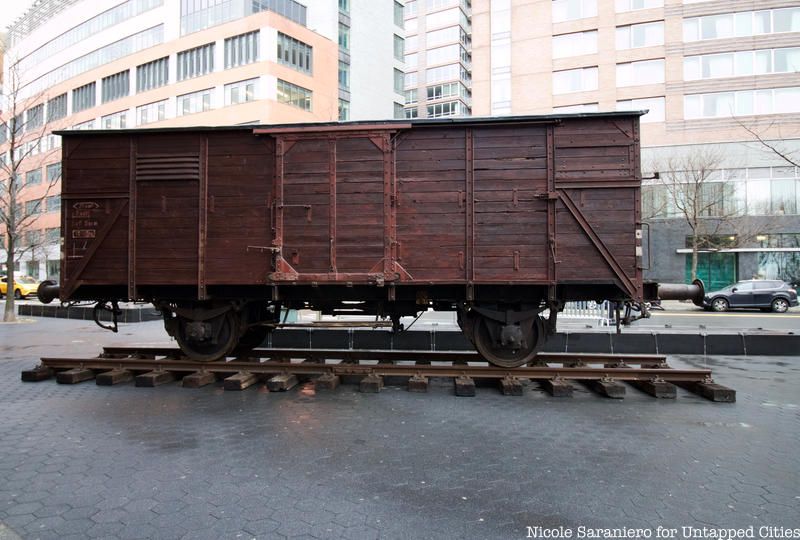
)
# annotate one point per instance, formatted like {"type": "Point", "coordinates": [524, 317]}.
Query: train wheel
{"type": "Point", "coordinates": [252, 338]}
{"type": "Point", "coordinates": [206, 341]}
{"type": "Point", "coordinates": [489, 341]}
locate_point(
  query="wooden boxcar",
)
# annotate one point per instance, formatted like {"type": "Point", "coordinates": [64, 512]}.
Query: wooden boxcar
{"type": "Point", "coordinates": [498, 219]}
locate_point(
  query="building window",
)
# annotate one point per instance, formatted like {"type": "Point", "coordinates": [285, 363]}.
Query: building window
{"type": "Point", "coordinates": [344, 110]}
{"type": "Point", "coordinates": [399, 112]}
{"type": "Point", "coordinates": [32, 268]}
{"type": "Point", "coordinates": [449, 17]}
{"type": "Point", "coordinates": [442, 91]}
{"type": "Point", "coordinates": [294, 95]}
{"type": "Point", "coordinates": [741, 64]}
{"type": "Point", "coordinates": [633, 5]}
{"type": "Point", "coordinates": [18, 124]}
{"type": "Point", "coordinates": [115, 121]}
{"type": "Point", "coordinates": [33, 177]}
{"type": "Point", "coordinates": [575, 44]}
{"type": "Point", "coordinates": [54, 172]}
{"type": "Point", "coordinates": [449, 108]}
{"type": "Point", "coordinates": [52, 141]}
{"type": "Point", "coordinates": [100, 57]}
{"type": "Point", "coordinates": [410, 9]}
{"type": "Point", "coordinates": [744, 103]}
{"type": "Point", "coordinates": [241, 92]}
{"type": "Point", "coordinates": [152, 112]}
{"type": "Point", "coordinates": [89, 124]}
{"type": "Point", "coordinates": [115, 86]}
{"type": "Point", "coordinates": [654, 105]}
{"type": "Point", "coordinates": [34, 118]}
{"type": "Point", "coordinates": [638, 73]}
{"type": "Point", "coordinates": [53, 203]}
{"type": "Point", "coordinates": [33, 208]}
{"type": "Point", "coordinates": [197, 15]}
{"type": "Point", "coordinates": [399, 78]}
{"type": "Point", "coordinates": [568, 10]}
{"type": "Point", "coordinates": [411, 44]}
{"type": "Point", "coordinates": [433, 5]}
{"type": "Point", "coordinates": [294, 53]}
{"type": "Point", "coordinates": [448, 54]}
{"type": "Point", "coordinates": [243, 49]}
{"type": "Point", "coordinates": [53, 235]}
{"type": "Point", "coordinates": [57, 108]}
{"type": "Point", "coordinates": [640, 35]}
{"type": "Point", "coordinates": [344, 36]}
{"type": "Point", "coordinates": [446, 73]}
{"type": "Point", "coordinates": [153, 74]}
{"type": "Point", "coordinates": [398, 14]}
{"type": "Point", "coordinates": [344, 75]}
{"type": "Point", "coordinates": [410, 79]}
{"type": "Point", "coordinates": [411, 60]}
{"type": "Point", "coordinates": [581, 108]}
{"type": "Point", "coordinates": [344, 6]}
{"type": "Point", "coordinates": [84, 97]}
{"type": "Point", "coordinates": [87, 28]}
{"type": "Point", "coordinates": [575, 80]}
{"type": "Point", "coordinates": [445, 36]}
{"type": "Point", "coordinates": [412, 113]}
{"type": "Point", "coordinates": [195, 102]}
{"type": "Point", "coordinates": [196, 62]}
{"type": "Point", "coordinates": [410, 96]}
{"type": "Point", "coordinates": [742, 24]}
{"type": "Point", "coordinates": [399, 48]}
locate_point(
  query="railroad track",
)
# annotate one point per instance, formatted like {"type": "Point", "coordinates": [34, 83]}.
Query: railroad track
{"type": "Point", "coordinates": [280, 368]}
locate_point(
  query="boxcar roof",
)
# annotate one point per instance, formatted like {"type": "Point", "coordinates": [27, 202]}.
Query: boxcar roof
{"type": "Point", "coordinates": [419, 122]}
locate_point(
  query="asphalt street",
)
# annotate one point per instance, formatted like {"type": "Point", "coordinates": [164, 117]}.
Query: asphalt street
{"type": "Point", "coordinates": [123, 462]}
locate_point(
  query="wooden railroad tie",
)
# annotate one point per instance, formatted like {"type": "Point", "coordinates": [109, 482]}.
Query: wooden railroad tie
{"type": "Point", "coordinates": [155, 367]}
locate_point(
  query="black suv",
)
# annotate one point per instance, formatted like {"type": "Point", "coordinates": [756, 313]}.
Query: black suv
{"type": "Point", "coordinates": [766, 294]}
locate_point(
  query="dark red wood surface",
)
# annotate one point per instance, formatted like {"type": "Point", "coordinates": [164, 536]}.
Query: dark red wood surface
{"type": "Point", "coordinates": [528, 202]}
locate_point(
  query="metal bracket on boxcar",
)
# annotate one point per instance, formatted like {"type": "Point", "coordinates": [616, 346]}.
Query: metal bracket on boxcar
{"type": "Point", "coordinates": [641, 307]}
{"type": "Point", "coordinates": [113, 308]}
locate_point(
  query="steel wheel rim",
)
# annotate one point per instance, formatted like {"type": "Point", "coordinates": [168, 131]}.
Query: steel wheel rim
{"type": "Point", "coordinates": [483, 346]}
{"type": "Point", "coordinates": [720, 304]}
{"type": "Point", "coordinates": [200, 353]}
{"type": "Point", "coordinates": [780, 305]}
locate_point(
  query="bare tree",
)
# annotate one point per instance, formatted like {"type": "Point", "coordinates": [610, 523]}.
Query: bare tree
{"type": "Point", "coordinates": [772, 145]}
{"type": "Point", "coordinates": [23, 127]}
{"type": "Point", "coordinates": [691, 187]}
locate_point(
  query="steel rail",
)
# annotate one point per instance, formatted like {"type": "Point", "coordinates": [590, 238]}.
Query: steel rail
{"type": "Point", "coordinates": [394, 355]}
{"type": "Point", "coordinates": [382, 369]}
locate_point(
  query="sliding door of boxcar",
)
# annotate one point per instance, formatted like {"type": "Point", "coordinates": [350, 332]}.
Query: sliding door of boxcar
{"type": "Point", "coordinates": [510, 204]}
{"type": "Point", "coordinates": [330, 207]}
{"type": "Point", "coordinates": [304, 199]}
{"type": "Point", "coordinates": [240, 172]}
{"type": "Point", "coordinates": [431, 175]}
{"type": "Point", "coordinates": [359, 195]}
{"type": "Point", "coordinates": [167, 191]}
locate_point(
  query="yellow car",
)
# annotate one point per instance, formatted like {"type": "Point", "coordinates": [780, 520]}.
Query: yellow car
{"type": "Point", "coordinates": [24, 286]}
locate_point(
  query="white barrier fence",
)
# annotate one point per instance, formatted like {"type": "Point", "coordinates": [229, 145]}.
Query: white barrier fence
{"type": "Point", "coordinates": [603, 312]}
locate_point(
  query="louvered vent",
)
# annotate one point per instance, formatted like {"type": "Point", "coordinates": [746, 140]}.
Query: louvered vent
{"type": "Point", "coordinates": [167, 167]}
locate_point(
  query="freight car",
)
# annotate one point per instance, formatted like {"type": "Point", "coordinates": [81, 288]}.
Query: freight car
{"type": "Point", "coordinates": [498, 219]}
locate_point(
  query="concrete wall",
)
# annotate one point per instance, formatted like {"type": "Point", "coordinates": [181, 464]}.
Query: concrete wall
{"type": "Point", "coordinates": [372, 61]}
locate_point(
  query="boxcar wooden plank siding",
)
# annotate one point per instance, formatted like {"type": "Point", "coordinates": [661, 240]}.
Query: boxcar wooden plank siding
{"type": "Point", "coordinates": [449, 203]}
